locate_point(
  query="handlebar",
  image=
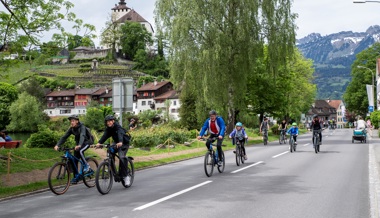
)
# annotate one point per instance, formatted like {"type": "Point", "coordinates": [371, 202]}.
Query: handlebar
{"type": "Point", "coordinates": [66, 149]}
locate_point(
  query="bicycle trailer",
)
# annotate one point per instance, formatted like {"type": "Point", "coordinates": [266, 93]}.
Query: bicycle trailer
{"type": "Point", "coordinates": [359, 135]}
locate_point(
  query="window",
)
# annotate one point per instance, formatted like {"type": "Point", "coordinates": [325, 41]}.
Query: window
{"type": "Point", "coordinates": [66, 98]}
{"type": "Point", "coordinates": [149, 102]}
{"type": "Point", "coordinates": [143, 103]}
{"type": "Point", "coordinates": [174, 103]}
{"type": "Point", "coordinates": [101, 99]}
{"type": "Point", "coordinates": [50, 98]}
{"type": "Point", "coordinates": [173, 110]}
{"type": "Point", "coordinates": [84, 111]}
{"type": "Point", "coordinates": [65, 111]}
{"type": "Point", "coordinates": [110, 99]}
{"type": "Point", "coordinates": [50, 112]}
{"type": "Point", "coordinates": [59, 98]}
{"type": "Point", "coordinates": [152, 94]}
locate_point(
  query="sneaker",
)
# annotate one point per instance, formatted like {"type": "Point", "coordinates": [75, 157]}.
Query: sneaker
{"type": "Point", "coordinates": [89, 172]}
{"type": "Point", "coordinates": [220, 163]}
{"type": "Point", "coordinates": [86, 169]}
{"type": "Point", "coordinates": [295, 143]}
{"type": "Point", "coordinates": [127, 180]}
{"type": "Point", "coordinates": [245, 157]}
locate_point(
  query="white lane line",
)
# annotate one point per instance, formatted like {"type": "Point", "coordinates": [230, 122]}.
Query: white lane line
{"type": "Point", "coordinates": [260, 162]}
{"type": "Point", "coordinates": [170, 196]}
{"type": "Point", "coordinates": [306, 144]}
{"type": "Point", "coordinates": [374, 183]}
{"type": "Point", "coordinates": [280, 154]}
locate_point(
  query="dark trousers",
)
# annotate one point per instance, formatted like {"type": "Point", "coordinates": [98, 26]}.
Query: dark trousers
{"type": "Point", "coordinates": [242, 142]}
{"type": "Point", "coordinates": [218, 144]}
{"type": "Point", "coordinates": [320, 136]}
{"type": "Point", "coordinates": [123, 164]}
{"type": "Point", "coordinates": [80, 155]}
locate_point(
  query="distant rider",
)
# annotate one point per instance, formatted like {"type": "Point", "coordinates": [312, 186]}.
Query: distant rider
{"type": "Point", "coordinates": [239, 134]}
{"type": "Point", "coordinates": [316, 125]}
{"type": "Point", "coordinates": [215, 125]}
{"type": "Point", "coordinates": [293, 131]}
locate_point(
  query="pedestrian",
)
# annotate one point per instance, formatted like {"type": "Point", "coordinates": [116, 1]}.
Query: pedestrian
{"type": "Point", "coordinates": [6, 136]}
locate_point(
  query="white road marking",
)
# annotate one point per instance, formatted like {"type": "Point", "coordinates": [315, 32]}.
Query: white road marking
{"type": "Point", "coordinates": [306, 144]}
{"type": "Point", "coordinates": [374, 183]}
{"type": "Point", "coordinates": [280, 154]}
{"type": "Point", "coordinates": [170, 196]}
{"type": "Point", "coordinates": [260, 162]}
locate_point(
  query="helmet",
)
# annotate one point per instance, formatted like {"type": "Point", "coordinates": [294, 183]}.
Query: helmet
{"type": "Point", "coordinates": [132, 120]}
{"type": "Point", "coordinates": [109, 117]}
{"type": "Point", "coordinates": [74, 116]}
{"type": "Point", "coordinates": [239, 124]}
{"type": "Point", "coordinates": [315, 116]}
{"type": "Point", "coordinates": [294, 124]}
{"type": "Point", "coordinates": [212, 112]}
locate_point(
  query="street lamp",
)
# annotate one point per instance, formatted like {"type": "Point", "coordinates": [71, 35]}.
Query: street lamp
{"type": "Point", "coordinates": [373, 83]}
{"type": "Point", "coordinates": [366, 1]}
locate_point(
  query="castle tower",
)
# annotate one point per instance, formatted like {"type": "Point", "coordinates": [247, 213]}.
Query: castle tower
{"type": "Point", "coordinates": [119, 10]}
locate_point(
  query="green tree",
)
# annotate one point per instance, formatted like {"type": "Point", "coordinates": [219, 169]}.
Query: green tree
{"type": "Point", "coordinates": [134, 37]}
{"type": "Point", "coordinates": [8, 94]}
{"type": "Point", "coordinates": [215, 45]}
{"type": "Point", "coordinates": [33, 87]}
{"type": "Point", "coordinates": [26, 114]}
{"type": "Point", "coordinates": [355, 96]}
{"type": "Point", "coordinates": [110, 36]}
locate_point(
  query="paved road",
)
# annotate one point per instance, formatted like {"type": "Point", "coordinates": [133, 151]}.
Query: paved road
{"type": "Point", "coordinates": [333, 183]}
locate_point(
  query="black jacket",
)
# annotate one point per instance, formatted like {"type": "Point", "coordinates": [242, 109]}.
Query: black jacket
{"type": "Point", "coordinates": [118, 134]}
{"type": "Point", "coordinates": [316, 125]}
{"type": "Point", "coordinates": [80, 135]}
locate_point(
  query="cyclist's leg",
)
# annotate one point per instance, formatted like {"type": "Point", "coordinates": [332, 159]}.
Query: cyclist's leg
{"type": "Point", "coordinates": [242, 146]}
{"type": "Point", "coordinates": [122, 152]}
{"type": "Point", "coordinates": [219, 147]}
{"type": "Point", "coordinates": [295, 139]}
{"type": "Point", "coordinates": [320, 137]}
{"type": "Point", "coordinates": [80, 153]}
{"type": "Point", "coordinates": [209, 141]}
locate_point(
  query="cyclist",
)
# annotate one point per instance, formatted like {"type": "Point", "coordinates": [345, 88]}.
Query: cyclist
{"type": "Point", "coordinates": [293, 131]}
{"type": "Point", "coordinates": [264, 127]}
{"type": "Point", "coordinates": [215, 125]}
{"type": "Point", "coordinates": [316, 125]}
{"type": "Point", "coordinates": [82, 141]}
{"type": "Point", "coordinates": [120, 137]}
{"type": "Point", "coordinates": [283, 126]}
{"type": "Point", "coordinates": [132, 125]}
{"type": "Point", "coordinates": [240, 134]}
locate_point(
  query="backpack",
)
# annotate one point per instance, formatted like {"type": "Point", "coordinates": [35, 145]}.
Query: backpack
{"type": "Point", "coordinates": [89, 136]}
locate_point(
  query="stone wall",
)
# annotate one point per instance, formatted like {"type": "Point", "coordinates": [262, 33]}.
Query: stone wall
{"type": "Point", "coordinates": [91, 54]}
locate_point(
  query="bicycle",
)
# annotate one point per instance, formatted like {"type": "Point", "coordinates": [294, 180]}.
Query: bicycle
{"type": "Point", "coordinates": [211, 160]}
{"type": "Point", "coordinates": [292, 144]}
{"type": "Point", "coordinates": [282, 138]}
{"type": "Point", "coordinates": [239, 154]}
{"type": "Point", "coordinates": [316, 140]}
{"type": "Point", "coordinates": [107, 171]}
{"type": "Point", "coordinates": [265, 136]}
{"type": "Point", "coordinates": [59, 173]}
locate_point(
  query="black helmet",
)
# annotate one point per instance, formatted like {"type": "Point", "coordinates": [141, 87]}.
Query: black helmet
{"type": "Point", "coordinates": [74, 116]}
{"type": "Point", "coordinates": [109, 117]}
{"type": "Point", "coordinates": [212, 112]}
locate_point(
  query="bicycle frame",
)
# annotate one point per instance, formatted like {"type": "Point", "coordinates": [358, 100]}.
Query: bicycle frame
{"type": "Point", "coordinates": [316, 135]}
{"type": "Point", "coordinates": [69, 158]}
{"type": "Point", "coordinates": [111, 161]}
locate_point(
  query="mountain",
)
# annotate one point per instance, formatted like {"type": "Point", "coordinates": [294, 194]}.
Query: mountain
{"type": "Point", "coordinates": [333, 55]}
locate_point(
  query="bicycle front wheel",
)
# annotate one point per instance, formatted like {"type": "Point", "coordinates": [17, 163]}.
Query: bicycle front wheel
{"type": "Point", "coordinates": [89, 178]}
{"type": "Point", "coordinates": [221, 168]}
{"type": "Point", "coordinates": [242, 155]}
{"type": "Point", "coordinates": [316, 144]}
{"type": "Point", "coordinates": [238, 155]}
{"type": "Point", "coordinates": [104, 178]}
{"type": "Point", "coordinates": [130, 174]}
{"type": "Point", "coordinates": [59, 178]}
{"type": "Point", "coordinates": [209, 164]}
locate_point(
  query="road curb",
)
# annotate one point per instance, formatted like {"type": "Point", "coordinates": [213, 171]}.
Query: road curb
{"type": "Point", "coordinates": [374, 184]}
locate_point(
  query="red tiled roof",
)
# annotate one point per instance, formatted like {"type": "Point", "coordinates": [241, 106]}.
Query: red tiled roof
{"type": "Point", "coordinates": [152, 87]}
{"type": "Point", "coordinates": [334, 103]}
{"type": "Point", "coordinates": [70, 92]}
{"type": "Point", "coordinates": [133, 16]}
{"type": "Point", "coordinates": [172, 94]}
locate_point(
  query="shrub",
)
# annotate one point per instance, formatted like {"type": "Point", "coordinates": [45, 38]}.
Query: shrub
{"type": "Point", "coordinates": [274, 129]}
{"type": "Point", "coordinates": [375, 118]}
{"type": "Point", "coordinates": [155, 136]}
{"type": "Point", "coordinates": [46, 138]}
{"type": "Point", "coordinates": [85, 65]}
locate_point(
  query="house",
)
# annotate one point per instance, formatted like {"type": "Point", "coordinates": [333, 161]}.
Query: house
{"type": "Point", "coordinates": [60, 103]}
{"type": "Point", "coordinates": [83, 52]}
{"type": "Point", "coordinates": [106, 99]}
{"type": "Point", "coordinates": [340, 112]}
{"type": "Point", "coordinates": [147, 93]}
{"type": "Point", "coordinates": [122, 13]}
{"type": "Point", "coordinates": [324, 111]}
{"type": "Point", "coordinates": [82, 99]}
{"type": "Point", "coordinates": [171, 99]}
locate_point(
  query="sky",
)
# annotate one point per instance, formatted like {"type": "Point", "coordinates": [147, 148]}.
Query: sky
{"type": "Point", "coordinates": [314, 16]}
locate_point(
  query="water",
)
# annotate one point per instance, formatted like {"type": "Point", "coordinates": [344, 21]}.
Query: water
{"type": "Point", "coordinates": [20, 136]}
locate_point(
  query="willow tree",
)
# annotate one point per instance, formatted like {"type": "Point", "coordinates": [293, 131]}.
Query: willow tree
{"type": "Point", "coordinates": [209, 45]}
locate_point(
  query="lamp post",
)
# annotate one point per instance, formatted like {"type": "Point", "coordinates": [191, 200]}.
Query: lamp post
{"type": "Point", "coordinates": [366, 1]}
{"type": "Point", "coordinates": [373, 84]}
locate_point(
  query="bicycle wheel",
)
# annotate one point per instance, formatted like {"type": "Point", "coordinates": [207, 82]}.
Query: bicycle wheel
{"type": "Point", "coordinates": [104, 178]}
{"type": "Point", "coordinates": [280, 139]}
{"type": "Point", "coordinates": [316, 144]}
{"type": "Point", "coordinates": [59, 178]}
{"type": "Point", "coordinates": [291, 143]}
{"type": "Point", "coordinates": [242, 155]}
{"type": "Point", "coordinates": [209, 164]}
{"type": "Point", "coordinates": [221, 168]}
{"type": "Point", "coordinates": [89, 178]}
{"type": "Point", "coordinates": [238, 155]}
{"type": "Point", "coordinates": [318, 147]}
{"type": "Point", "coordinates": [130, 174]}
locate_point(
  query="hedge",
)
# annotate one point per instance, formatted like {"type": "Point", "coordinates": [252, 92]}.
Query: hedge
{"type": "Point", "coordinates": [155, 136]}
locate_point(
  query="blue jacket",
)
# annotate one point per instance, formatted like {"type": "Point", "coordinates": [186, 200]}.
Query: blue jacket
{"type": "Point", "coordinates": [219, 125]}
{"type": "Point", "coordinates": [233, 133]}
{"type": "Point", "coordinates": [8, 138]}
{"type": "Point", "coordinates": [293, 130]}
